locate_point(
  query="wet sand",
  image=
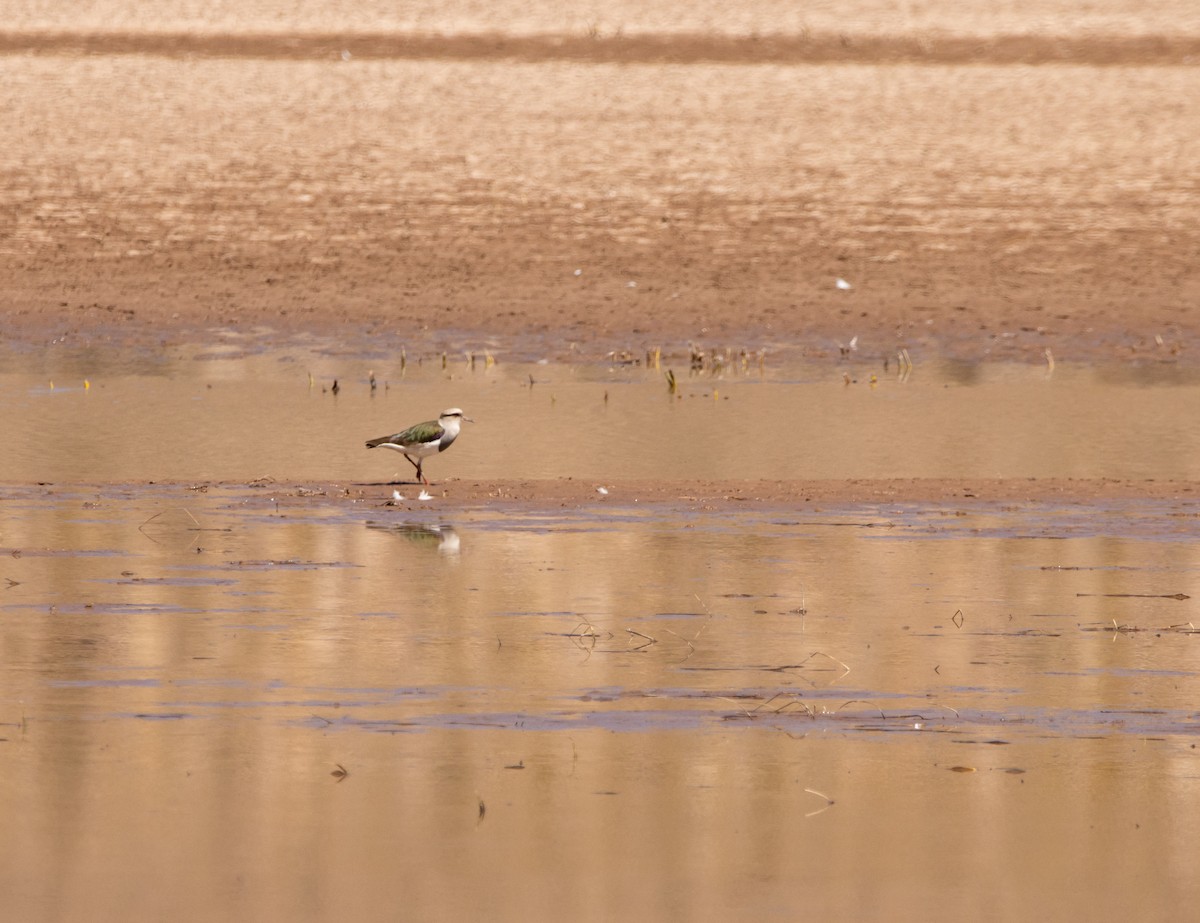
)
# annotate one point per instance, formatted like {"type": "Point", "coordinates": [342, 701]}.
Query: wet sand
{"type": "Point", "coordinates": [733, 495]}
{"type": "Point", "coordinates": [990, 186]}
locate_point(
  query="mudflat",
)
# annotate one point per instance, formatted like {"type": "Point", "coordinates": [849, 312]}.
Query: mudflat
{"type": "Point", "coordinates": [883, 604]}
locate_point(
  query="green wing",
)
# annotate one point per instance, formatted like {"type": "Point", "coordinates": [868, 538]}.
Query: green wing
{"type": "Point", "coordinates": [428, 431]}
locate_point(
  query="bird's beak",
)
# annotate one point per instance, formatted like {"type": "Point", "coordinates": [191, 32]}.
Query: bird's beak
{"type": "Point", "coordinates": [468, 420]}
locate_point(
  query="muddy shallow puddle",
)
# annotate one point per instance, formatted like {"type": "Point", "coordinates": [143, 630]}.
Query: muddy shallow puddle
{"type": "Point", "coordinates": [214, 706]}
{"type": "Point", "coordinates": [230, 412]}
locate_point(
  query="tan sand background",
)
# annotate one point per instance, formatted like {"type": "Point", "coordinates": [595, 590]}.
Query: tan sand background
{"type": "Point", "coordinates": [991, 182]}
{"type": "Point", "coordinates": [1058, 19]}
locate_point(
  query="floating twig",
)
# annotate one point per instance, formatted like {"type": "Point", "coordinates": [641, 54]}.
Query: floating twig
{"type": "Point", "coordinates": [648, 640]}
{"type": "Point", "coordinates": [800, 665]}
{"type": "Point", "coordinates": [792, 700]}
{"type": "Point", "coordinates": [864, 702]}
{"type": "Point", "coordinates": [829, 802]}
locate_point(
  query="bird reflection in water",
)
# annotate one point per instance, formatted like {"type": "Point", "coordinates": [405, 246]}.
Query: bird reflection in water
{"type": "Point", "coordinates": [441, 536]}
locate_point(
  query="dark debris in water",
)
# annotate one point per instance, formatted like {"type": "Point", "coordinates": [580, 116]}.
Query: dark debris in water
{"type": "Point", "coordinates": [162, 716]}
{"type": "Point", "coordinates": [1115, 627]}
{"type": "Point", "coordinates": [134, 580]}
{"type": "Point", "coordinates": [288, 563]}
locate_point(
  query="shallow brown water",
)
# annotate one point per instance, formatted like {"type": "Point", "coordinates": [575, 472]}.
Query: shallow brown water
{"type": "Point", "coordinates": [902, 711]}
{"type": "Point", "coordinates": [229, 413]}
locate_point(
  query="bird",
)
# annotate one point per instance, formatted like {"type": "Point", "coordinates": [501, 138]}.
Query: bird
{"type": "Point", "coordinates": [424, 439]}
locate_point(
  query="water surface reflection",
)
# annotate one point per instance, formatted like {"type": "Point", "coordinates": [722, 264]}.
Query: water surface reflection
{"type": "Point", "coordinates": [352, 710]}
{"type": "Point", "coordinates": [246, 416]}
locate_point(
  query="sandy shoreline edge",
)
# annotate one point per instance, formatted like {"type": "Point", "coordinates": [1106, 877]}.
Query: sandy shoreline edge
{"type": "Point", "coordinates": [719, 495]}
